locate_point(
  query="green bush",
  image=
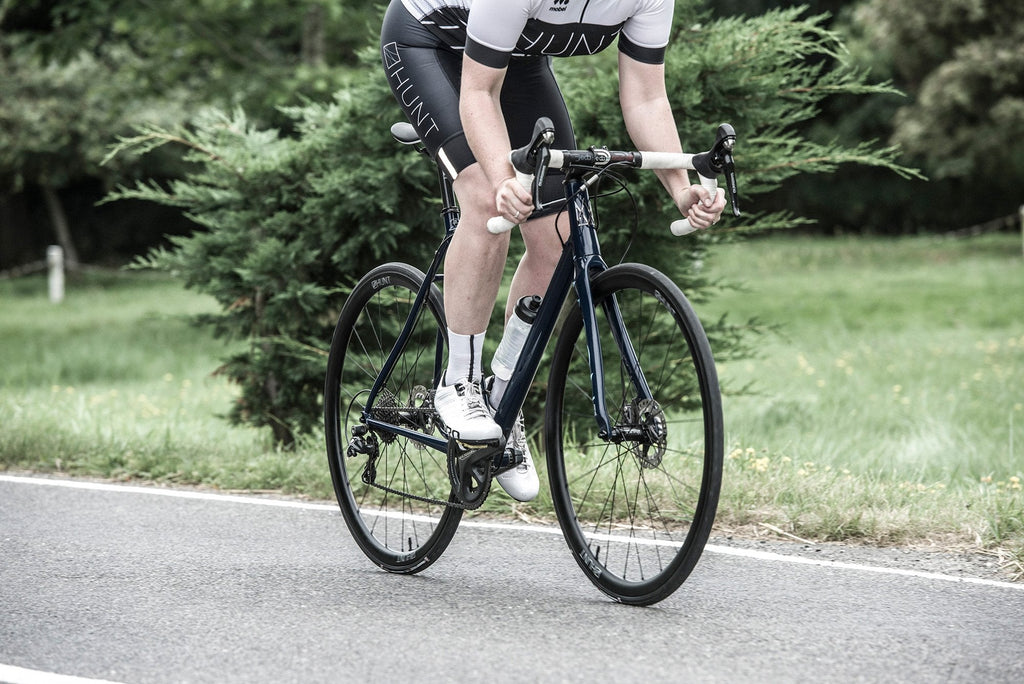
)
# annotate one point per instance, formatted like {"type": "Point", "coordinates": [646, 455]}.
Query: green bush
{"type": "Point", "coordinates": [286, 222]}
{"type": "Point", "coordinates": [284, 225]}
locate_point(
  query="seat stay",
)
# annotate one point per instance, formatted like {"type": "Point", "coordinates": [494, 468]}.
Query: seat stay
{"type": "Point", "coordinates": [450, 214]}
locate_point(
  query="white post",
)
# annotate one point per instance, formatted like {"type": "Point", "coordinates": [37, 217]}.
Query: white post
{"type": "Point", "coordinates": [55, 264]}
{"type": "Point", "coordinates": [1022, 229]}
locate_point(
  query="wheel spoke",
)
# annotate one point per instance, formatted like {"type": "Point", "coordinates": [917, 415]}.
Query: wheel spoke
{"type": "Point", "coordinates": [634, 496]}
{"type": "Point", "coordinates": [395, 517]}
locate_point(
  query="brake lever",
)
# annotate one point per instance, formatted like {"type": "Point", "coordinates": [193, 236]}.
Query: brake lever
{"type": "Point", "coordinates": [709, 165]}
{"type": "Point", "coordinates": [720, 160]}
{"type": "Point", "coordinates": [721, 154]}
{"type": "Point", "coordinates": [530, 163]}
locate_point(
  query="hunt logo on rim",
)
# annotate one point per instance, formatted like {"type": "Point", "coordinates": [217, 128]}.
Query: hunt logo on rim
{"type": "Point", "coordinates": [595, 568]}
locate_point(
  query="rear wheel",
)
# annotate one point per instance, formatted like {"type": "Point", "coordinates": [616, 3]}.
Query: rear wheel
{"type": "Point", "coordinates": [636, 506]}
{"type": "Point", "coordinates": [393, 489]}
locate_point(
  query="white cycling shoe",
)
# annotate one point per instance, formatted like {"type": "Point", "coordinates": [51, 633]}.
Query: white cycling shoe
{"type": "Point", "coordinates": [463, 409]}
{"type": "Point", "coordinates": [521, 482]}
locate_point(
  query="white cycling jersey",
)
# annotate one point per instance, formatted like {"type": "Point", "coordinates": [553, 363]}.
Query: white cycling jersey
{"type": "Point", "coordinates": [493, 31]}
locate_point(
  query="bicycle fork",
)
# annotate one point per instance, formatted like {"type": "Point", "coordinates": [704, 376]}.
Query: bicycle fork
{"type": "Point", "coordinates": [578, 264]}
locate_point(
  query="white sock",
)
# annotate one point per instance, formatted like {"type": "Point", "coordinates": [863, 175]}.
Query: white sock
{"type": "Point", "coordinates": [465, 356]}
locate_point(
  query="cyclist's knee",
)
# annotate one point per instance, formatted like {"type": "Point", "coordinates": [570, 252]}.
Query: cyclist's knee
{"type": "Point", "coordinates": [542, 239]}
{"type": "Point", "coordinates": [476, 198]}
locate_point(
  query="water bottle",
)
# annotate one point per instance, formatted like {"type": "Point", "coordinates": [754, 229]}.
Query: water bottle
{"type": "Point", "coordinates": [516, 330]}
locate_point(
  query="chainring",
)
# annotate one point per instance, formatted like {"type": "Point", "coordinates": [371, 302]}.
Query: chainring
{"type": "Point", "coordinates": [470, 472]}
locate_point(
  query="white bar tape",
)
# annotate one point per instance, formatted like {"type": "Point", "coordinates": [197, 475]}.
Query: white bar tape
{"type": "Point", "coordinates": [666, 160]}
{"type": "Point", "coordinates": [497, 225]}
{"type": "Point", "coordinates": [681, 227]}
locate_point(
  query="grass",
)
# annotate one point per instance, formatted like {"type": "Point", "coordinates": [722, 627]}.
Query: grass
{"type": "Point", "coordinates": [115, 383]}
{"type": "Point", "coordinates": [888, 409]}
{"type": "Point", "coordinates": [891, 406]}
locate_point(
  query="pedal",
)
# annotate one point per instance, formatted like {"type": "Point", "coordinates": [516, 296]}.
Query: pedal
{"type": "Point", "coordinates": [477, 445]}
{"type": "Point", "coordinates": [509, 460]}
{"type": "Point", "coordinates": [473, 445]}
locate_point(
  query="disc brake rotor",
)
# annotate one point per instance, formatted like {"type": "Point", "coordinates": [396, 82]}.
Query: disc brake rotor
{"type": "Point", "coordinates": [647, 419]}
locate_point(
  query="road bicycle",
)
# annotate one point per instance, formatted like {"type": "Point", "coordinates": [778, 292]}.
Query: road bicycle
{"type": "Point", "coordinates": [633, 430]}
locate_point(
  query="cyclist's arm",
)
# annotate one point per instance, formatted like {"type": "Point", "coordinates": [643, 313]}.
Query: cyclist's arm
{"type": "Point", "coordinates": [647, 114]}
{"type": "Point", "coordinates": [484, 125]}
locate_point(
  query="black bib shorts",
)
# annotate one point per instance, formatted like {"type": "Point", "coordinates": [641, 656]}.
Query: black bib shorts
{"type": "Point", "coordinates": [424, 74]}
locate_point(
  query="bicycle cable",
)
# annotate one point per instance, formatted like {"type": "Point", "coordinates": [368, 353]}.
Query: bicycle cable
{"type": "Point", "coordinates": [622, 186]}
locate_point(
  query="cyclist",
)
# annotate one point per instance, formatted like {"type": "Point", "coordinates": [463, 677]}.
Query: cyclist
{"type": "Point", "coordinates": [473, 76]}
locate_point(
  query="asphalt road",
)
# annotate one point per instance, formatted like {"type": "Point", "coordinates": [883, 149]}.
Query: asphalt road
{"type": "Point", "coordinates": [129, 584]}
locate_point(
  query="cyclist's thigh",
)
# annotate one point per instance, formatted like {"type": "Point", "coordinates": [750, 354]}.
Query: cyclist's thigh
{"type": "Point", "coordinates": [531, 91]}
{"type": "Point", "coordinates": [424, 76]}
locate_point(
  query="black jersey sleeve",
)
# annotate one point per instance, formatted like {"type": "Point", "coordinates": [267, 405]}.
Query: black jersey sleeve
{"type": "Point", "coordinates": [645, 34]}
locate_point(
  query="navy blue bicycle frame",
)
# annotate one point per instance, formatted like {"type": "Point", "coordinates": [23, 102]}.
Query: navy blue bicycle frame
{"type": "Point", "coordinates": [580, 260]}
{"type": "Point", "coordinates": [450, 216]}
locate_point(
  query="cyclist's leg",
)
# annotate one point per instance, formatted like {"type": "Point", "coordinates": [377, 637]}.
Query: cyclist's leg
{"type": "Point", "coordinates": [543, 248]}
{"type": "Point", "coordinates": [533, 93]}
{"type": "Point", "coordinates": [476, 258]}
{"type": "Point", "coordinates": [424, 75]}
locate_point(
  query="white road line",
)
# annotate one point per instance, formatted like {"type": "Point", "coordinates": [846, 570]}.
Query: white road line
{"type": "Point", "coordinates": [839, 565]}
{"type": "Point", "coordinates": [19, 675]}
{"type": "Point", "coordinates": [710, 548]}
{"type": "Point", "coordinates": [160, 491]}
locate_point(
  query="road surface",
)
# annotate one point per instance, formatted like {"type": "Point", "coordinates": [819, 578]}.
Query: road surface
{"type": "Point", "coordinates": [143, 584]}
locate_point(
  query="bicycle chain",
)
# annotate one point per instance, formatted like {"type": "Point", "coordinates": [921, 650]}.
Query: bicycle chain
{"type": "Point", "coordinates": [390, 409]}
{"type": "Point", "coordinates": [371, 480]}
{"type": "Point", "coordinates": [416, 497]}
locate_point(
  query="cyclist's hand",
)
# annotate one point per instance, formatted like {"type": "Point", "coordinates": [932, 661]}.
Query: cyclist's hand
{"type": "Point", "coordinates": [696, 204]}
{"type": "Point", "coordinates": [513, 201]}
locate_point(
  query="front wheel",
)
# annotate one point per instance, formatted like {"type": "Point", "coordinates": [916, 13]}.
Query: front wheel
{"type": "Point", "coordinates": [391, 484]}
{"type": "Point", "coordinates": [636, 506]}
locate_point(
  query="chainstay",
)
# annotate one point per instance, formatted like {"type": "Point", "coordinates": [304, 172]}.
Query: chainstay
{"type": "Point", "coordinates": [409, 495]}
{"type": "Point", "coordinates": [391, 412]}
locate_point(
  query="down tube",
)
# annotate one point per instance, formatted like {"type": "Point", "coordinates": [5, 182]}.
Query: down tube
{"type": "Point", "coordinates": [536, 340]}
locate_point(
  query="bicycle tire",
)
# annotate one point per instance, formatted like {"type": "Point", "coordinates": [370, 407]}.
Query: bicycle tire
{"type": "Point", "coordinates": [400, 533]}
{"type": "Point", "coordinates": [636, 514]}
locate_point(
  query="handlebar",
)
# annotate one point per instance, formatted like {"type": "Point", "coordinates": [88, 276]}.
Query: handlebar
{"type": "Point", "coordinates": [532, 161]}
